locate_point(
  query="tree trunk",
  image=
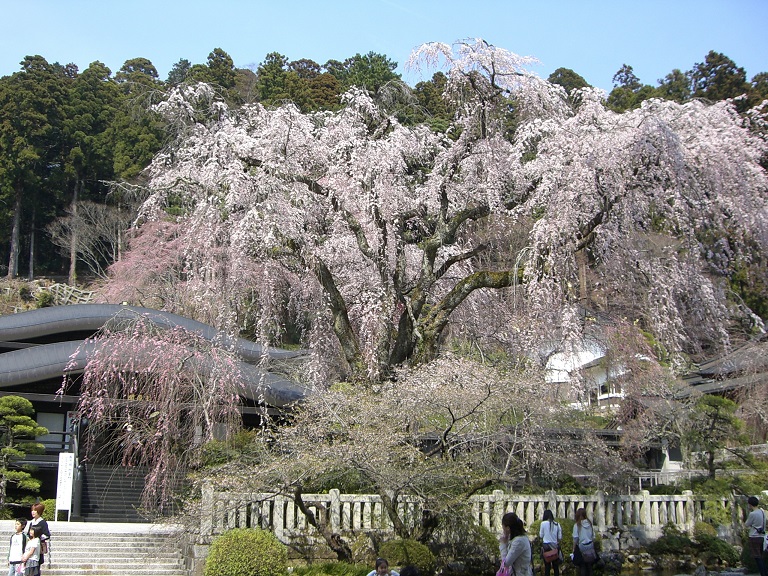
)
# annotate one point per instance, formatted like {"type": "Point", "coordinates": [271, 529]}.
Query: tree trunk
{"type": "Point", "coordinates": [334, 540]}
{"type": "Point", "coordinates": [581, 261]}
{"type": "Point", "coordinates": [13, 261]}
{"type": "Point", "coordinates": [73, 236]}
{"type": "Point", "coordinates": [31, 275]}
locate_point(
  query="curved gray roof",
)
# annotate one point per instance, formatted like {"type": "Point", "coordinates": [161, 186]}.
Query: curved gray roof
{"type": "Point", "coordinates": [46, 361]}
{"type": "Point", "coordinates": [91, 317]}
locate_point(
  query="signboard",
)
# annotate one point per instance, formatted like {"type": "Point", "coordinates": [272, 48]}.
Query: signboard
{"type": "Point", "coordinates": [65, 481]}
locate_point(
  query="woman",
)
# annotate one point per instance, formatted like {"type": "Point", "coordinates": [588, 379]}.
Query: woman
{"type": "Point", "coordinates": [31, 557]}
{"type": "Point", "coordinates": [584, 555]}
{"type": "Point", "coordinates": [514, 546]}
{"type": "Point", "coordinates": [41, 529]}
{"type": "Point", "coordinates": [551, 534]}
{"type": "Point", "coordinates": [382, 569]}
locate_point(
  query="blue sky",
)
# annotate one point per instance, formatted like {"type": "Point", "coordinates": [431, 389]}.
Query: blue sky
{"type": "Point", "coordinates": [592, 37]}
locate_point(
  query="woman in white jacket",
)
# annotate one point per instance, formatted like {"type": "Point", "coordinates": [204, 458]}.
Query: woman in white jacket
{"type": "Point", "coordinates": [514, 546]}
{"type": "Point", "coordinates": [551, 534]}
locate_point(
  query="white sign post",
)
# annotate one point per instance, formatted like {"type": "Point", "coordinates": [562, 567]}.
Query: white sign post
{"type": "Point", "coordinates": [64, 484]}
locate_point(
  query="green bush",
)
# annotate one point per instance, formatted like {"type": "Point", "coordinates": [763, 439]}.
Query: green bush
{"type": "Point", "coordinates": [712, 551]}
{"type": "Point", "coordinates": [462, 540]}
{"type": "Point", "coordinates": [43, 299]}
{"type": "Point", "coordinates": [404, 552]}
{"type": "Point", "coordinates": [673, 541]}
{"type": "Point", "coordinates": [703, 530]}
{"type": "Point", "coordinates": [50, 509]}
{"type": "Point", "coordinates": [331, 569]}
{"type": "Point", "coordinates": [567, 484]}
{"type": "Point", "coordinates": [246, 552]}
{"type": "Point", "coordinates": [665, 489]}
{"type": "Point", "coordinates": [714, 513]}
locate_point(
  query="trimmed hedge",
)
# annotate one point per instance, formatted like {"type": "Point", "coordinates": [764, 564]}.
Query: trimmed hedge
{"type": "Point", "coordinates": [405, 552]}
{"type": "Point", "coordinates": [246, 552]}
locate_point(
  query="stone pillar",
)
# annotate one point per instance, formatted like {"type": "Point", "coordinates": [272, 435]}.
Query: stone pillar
{"type": "Point", "coordinates": [334, 510]}
{"type": "Point", "coordinates": [645, 510]}
{"type": "Point", "coordinates": [498, 509]}
{"type": "Point", "coordinates": [690, 512]}
{"type": "Point", "coordinates": [599, 518]}
{"type": "Point", "coordinates": [278, 518]}
{"type": "Point", "coordinates": [550, 497]}
{"type": "Point", "coordinates": [206, 510]}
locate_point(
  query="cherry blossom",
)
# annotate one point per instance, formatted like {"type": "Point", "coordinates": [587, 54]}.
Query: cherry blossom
{"type": "Point", "coordinates": [382, 239]}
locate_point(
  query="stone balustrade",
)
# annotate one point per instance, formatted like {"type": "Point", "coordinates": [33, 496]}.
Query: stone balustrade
{"type": "Point", "coordinates": [621, 519]}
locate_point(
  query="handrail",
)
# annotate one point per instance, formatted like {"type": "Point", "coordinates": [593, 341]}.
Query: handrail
{"type": "Point", "coordinates": [640, 516]}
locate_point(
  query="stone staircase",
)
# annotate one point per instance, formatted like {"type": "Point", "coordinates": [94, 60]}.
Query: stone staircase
{"type": "Point", "coordinates": [111, 493]}
{"type": "Point", "coordinates": [100, 549]}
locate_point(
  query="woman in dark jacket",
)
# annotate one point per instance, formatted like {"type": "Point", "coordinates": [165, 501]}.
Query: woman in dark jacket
{"type": "Point", "coordinates": [41, 529]}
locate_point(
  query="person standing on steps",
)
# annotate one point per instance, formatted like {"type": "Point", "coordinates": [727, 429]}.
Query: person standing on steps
{"type": "Point", "coordinates": [17, 547]}
{"type": "Point", "coordinates": [31, 557]}
{"type": "Point", "coordinates": [756, 523]}
{"type": "Point", "coordinates": [41, 529]}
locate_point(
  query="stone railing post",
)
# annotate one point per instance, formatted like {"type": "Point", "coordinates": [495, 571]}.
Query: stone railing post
{"type": "Point", "coordinates": [206, 510]}
{"type": "Point", "coordinates": [690, 511]}
{"type": "Point", "coordinates": [278, 517]}
{"type": "Point", "coordinates": [737, 518]}
{"type": "Point", "coordinates": [550, 497]}
{"type": "Point", "coordinates": [645, 511]}
{"type": "Point", "coordinates": [600, 511]}
{"type": "Point", "coordinates": [497, 510]}
{"type": "Point", "coordinates": [334, 509]}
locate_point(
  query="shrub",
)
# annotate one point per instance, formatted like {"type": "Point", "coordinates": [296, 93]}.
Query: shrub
{"type": "Point", "coordinates": [671, 542]}
{"type": "Point", "coordinates": [665, 489]}
{"type": "Point", "coordinates": [567, 484]}
{"type": "Point", "coordinates": [403, 552]}
{"type": "Point", "coordinates": [714, 513]}
{"type": "Point", "coordinates": [43, 299]}
{"type": "Point", "coordinates": [331, 569]}
{"type": "Point", "coordinates": [703, 530]}
{"type": "Point", "coordinates": [712, 550]}
{"type": "Point", "coordinates": [463, 542]}
{"type": "Point", "coordinates": [50, 509]}
{"type": "Point", "coordinates": [246, 552]}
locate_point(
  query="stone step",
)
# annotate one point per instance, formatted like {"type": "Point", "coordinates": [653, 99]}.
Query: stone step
{"type": "Point", "coordinates": [93, 549]}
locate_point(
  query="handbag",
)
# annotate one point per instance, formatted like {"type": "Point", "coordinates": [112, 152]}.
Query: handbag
{"type": "Point", "coordinates": [505, 570]}
{"type": "Point", "coordinates": [550, 554]}
{"type": "Point", "coordinates": [588, 552]}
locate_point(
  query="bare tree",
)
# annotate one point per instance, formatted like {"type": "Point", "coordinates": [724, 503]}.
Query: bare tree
{"type": "Point", "coordinates": [92, 233]}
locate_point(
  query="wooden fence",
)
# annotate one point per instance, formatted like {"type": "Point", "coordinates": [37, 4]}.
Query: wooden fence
{"type": "Point", "coordinates": [620, 519]}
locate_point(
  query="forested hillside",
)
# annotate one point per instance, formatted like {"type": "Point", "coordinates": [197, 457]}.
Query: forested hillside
{"type": "Point", "coordinates": [484, 187]}
{"type": "Point", "coordinates": [68, 135]}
